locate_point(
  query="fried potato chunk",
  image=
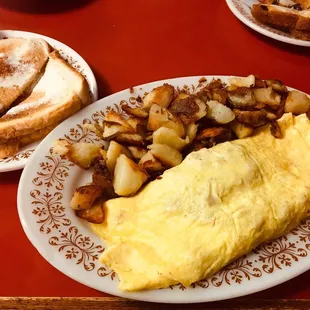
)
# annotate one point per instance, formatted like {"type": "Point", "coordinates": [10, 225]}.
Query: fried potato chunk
{"type": "Point", "coordinates": [137, 151]}
{"type": "Point", "coordinates": [103, 178]}
{"type": "Point", "coordinates": [169, 137]}
{"type": "Point", "coordinates": [277, 86]}
{"type": "Point", "coordinates": [128, 177]}
{"type": "Point", "coordinates": [150, 164]}
{"type": "Point", "coordinates": [137, 112]}
{"type": "Point", "coordinates": [243, 81]}
{"type": "Point", "coordinates": [267, 96]}
{"type": "Point", "coordinates": [219, 112]}
{"type": "Point", "coordinates": [188, 109]}
{"type": "Point", "coordinates": [275, 130]}
{"type": "Point", "coordinates": [61, 147]}
{"type": "Point", "coordinates": [85, 196]}
{"type": "Point", "coordinates": [115, 149]}
{"type": "Point", "coordinates": [191, 131]}
{"type": "Point", "coordinates": [160, 116]}
{"type": "Point", "coordinates": [166, 154]}
{"type": "Point", "coordinates": [94, 215]}
{"type": "Point", "coordinates": [241, 130]}
{"type": "Point", "coordinates": [112, 130]}
{"type": "Point", "coordinates": [297, 102]}
{"type": "Point", "coordinates": [253, 118]}
{"type": "Point", "coordinates": [162, 96]}
{"type": "Point", "coordinates": [241, 97]}
{"type": "Point", "coordinates": [130, 138]}
{"type": "Point", "coordinates": [83, 154]}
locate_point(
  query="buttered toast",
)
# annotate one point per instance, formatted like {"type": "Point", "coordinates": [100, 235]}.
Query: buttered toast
{"type": "Point", "coordinates": [294, 21]}
{"type": "Point", "coordinates": [21, 60]}
{"type": "Point", "coordinates": [59, 92]}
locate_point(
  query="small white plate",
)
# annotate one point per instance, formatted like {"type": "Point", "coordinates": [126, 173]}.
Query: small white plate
{"type": "Point", "coordinates": [242, 10]}
{"type": "Point", "coordinates": [68, 243]}
{"type": "Point", "coordinates": [19, 160]}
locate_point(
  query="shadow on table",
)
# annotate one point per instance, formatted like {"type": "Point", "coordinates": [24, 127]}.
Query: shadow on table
{"type": "Point", "coordinates": [43, 6]}
{"type": "Point", "coordinates": [103, 86]}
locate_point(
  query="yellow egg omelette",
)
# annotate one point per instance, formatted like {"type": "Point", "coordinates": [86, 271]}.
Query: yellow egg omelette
{"type": "Point", "coordinates": [216, 206]}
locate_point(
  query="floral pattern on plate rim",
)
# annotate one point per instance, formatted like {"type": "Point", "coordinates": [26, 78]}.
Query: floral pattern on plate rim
{"type": "Point", "coordinates": [50, 213]}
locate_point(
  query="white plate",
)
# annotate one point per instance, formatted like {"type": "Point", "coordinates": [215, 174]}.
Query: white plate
{"type": "Point", "coordinates": [242, 10]}
{"type": "Point", "coordinates": [46, 187]}
{"type": "Point", "coordinates": [19, 160]}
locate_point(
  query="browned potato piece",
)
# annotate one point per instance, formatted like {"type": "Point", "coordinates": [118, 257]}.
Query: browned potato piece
{"type": "Point", "coordinates": [85, 196]}
{"type": "Point", "coordinates": [215, 83]}
{"type": "Point", "coordinates": [267, 96]}
{"type": "Point", "coordinates": [162, 95]}
{"type": "Point", "coordinates": [243, 81]}
{"type": "Point", "coordinates": [114, 150]}
{"type": "Point", "coordinates": [219, 95]}
{"type": "Point", "coordinates": [131, 139]}
{"type": "Point", "coordinates": [188, 109]}
{"type": "Point", "coordinates": [277, 86]}
{"type": "Point", "coordinates": [297, 102]}
{"type": "Point", "coordinates": [137, 151]}
{"type": "Point", "coordinates": [150, 164]}
{"type": "Point", "coordinates": [61, 147]}
{"type": "Point", "coordinates": [166, 154]}
{"type": "Point", "coordinates": [83, 154]}
{"type": "Point", "coordinates": [94, 215]}
{"type": "Point", "coordinates": [137, 112]}
{"type": "Point", "coordinates": [241, 130]}
{"type": "Point", "coordinates": [275, 130]}
{"type": "Point", "coordinates": [241, 97]}
{"type": "Point", "coordinates": [113, 117]}
{"type": "Point", "coordinates": [103, 178]}
{"type": "Point", "coordinates": [112, 130]}
{"type": "Point", "coordinates": [96, 129]}
{"type": "Point", "coordinates": [169, 137]}
{"type": "Point", "coordinates": [135, 123]}
{"type": "Point", "coordinates": [191, 131]}
{"type": "Point", "coordinates": [219, 112]}
{"type": "Point", "coordinates": [259, 83]}
{"type": "Point", "coordinates": [159, 117]}
{"type": "Point", "coordinates": [128, 177]}
{"type": "Point", "coordinates": [253, 118]}
{"type": "Point", "coordinates": [210, 132]}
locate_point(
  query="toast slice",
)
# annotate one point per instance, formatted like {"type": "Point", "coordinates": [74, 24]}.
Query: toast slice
{"type": "Point", "coordinates": [21, 60]}
{"type": "Point", "coordinates": [287, 19]}
{"type": "Point", "coordinates": [61, 92]}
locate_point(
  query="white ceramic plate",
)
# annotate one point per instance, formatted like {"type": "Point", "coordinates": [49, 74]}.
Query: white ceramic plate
{"type": "Point", "coordinates": [19, 160]}
{"type": "Point", "coordinates": [46, 187]}
{"type": "Point", "coordinates": [242, 10]}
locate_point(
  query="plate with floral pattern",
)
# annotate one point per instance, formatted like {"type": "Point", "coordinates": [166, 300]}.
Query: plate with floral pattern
{"type": "Point", "coordinates": [242, 10]}
{"type": "Point", "coordinates": [19, 160]}
{"type": "Point", "coordinates": [68, 243]}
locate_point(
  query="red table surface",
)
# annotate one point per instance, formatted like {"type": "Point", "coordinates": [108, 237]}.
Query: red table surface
{"type": "Point", "coordinates": [129, 43]}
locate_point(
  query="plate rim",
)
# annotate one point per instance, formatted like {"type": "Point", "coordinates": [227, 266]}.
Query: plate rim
{"type": "Point", "coordinates": [20, 164]}
{"type": "Point", "coordinates": [274, 279]}
{"type": "Point", "coordinates": [263, 31]}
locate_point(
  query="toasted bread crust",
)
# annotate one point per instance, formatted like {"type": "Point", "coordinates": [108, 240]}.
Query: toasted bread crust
{"type": "Point", "coordinates": [288, 20]}
{"type": "Point", "coordinates": [9, 149]}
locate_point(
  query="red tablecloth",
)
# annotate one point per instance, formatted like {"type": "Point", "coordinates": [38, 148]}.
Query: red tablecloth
{"type": "Point", "coordinates": [128, 43]}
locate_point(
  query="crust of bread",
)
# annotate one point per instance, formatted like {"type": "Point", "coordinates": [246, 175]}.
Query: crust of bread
{"type": "Point", "coordinates": [9, 149]}
{"type": "Point", "coordinates": [34, 53]}
{"type": "Point", "coordinates": [73, 78]}
{"type": "Point", "coordinates": [285, 19]}
{"type": "Point", "coordinates": [304, 3]}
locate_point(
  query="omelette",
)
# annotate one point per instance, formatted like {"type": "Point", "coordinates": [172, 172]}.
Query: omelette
{"type": "Point", "coordinates": [217, 205]}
